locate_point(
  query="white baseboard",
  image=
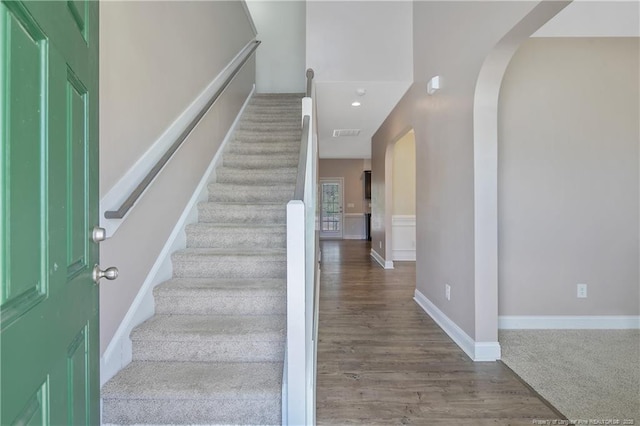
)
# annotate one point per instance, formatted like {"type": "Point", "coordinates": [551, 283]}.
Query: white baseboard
{"type": "Point", "coordinates": [568, 322]}
{"type": "Point", "coordinates": [386, 264]}
{"type": "Point", "coordinates": [477, 351]}
{"type": "Point", "coordinates": [354, 237]}
{"type": "Point", "coordinates": [119, 351]}
{"type": "Point", "coordinates": [405, 255]}
{"type": "Point", "coordinates": [128, 182]}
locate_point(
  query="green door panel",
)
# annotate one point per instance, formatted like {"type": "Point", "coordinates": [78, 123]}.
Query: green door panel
{"type": "Point", "coordinates": [49, 357]}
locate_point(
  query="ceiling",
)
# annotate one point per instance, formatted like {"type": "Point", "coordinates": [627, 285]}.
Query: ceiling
{"type": "Point", "coordinates": [358, 45]}
{"type": "Point", "coordinates": [335, 112]}
{"type": "Point", "coordinates": [369, 45]}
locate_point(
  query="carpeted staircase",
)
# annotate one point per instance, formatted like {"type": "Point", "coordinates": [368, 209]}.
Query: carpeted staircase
{"type": "Point", "coordinates": [213, 353]}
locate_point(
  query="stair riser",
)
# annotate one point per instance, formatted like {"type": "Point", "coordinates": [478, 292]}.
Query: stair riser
{"type": "Point", "coordinates": [251, 214]}
{"type": "Point", "coordinates": [192, 411]}
{"type": "Point", "coordinates": [214, 267]}
{"type": "Point", "coordinates": [218, 238]}
{"type": "Point", "coordinates": [220, 305]}
{"type": "Point", "coordinates": [209, 351]}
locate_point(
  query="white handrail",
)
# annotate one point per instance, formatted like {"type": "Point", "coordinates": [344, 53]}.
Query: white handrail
{"type": "Point", "coordinates": [302, 276]}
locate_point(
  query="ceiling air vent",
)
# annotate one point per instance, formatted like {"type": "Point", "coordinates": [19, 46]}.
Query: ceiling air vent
{"type": "Point", "coordinates": [345, 132]}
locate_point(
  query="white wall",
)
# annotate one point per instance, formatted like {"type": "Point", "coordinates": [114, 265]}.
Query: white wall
{"type": "Point", "coordinates": [155, 59]}
{"type": "Point", "coordinates": [280, 61]}
{"type": "Point", "coordinates": [568, 178]}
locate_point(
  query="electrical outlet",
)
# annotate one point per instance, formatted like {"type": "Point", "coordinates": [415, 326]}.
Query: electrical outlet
{"type": "Point", "coordinates": [582, 291]}
{"type": "Point", "coordinates": [447, 291]}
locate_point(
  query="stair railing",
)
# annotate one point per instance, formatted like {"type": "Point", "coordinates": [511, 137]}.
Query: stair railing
{"type": "Point", "coordinates": [133, 197]}
{"type": "Point", "coordinates": [299, 378]}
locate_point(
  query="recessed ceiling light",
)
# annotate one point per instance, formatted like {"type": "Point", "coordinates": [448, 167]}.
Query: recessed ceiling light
{"type": "Point", "coordinates": [355, 104]}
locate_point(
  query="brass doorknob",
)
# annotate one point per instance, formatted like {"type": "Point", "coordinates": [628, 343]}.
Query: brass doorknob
{"type": "Point", "coordinates": [109, 273]}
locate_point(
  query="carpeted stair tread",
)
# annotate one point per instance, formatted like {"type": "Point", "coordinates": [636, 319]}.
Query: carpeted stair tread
{"type": "Point", "coordinates": [209, 338]}
{"type": "Point", "coordinates": [194, 393]}
{"type": "Point", "coordinates": [180, 287]}
{"type": "Point", "coordinates": [190, 328]}
{"type": "Point", "coordinates": [242, 212]}
{"type": "Point", "coordinates": [273, 161]}
{"type": "Point", "coordinates": [249, 193]}
{"type": "Point", "coordinates": [260, 119]}
{"type": "Point", "coordinates": [257, 148]}
{"type": "Point", "coordinates": [229, 235]}
{"type": "Point", "coordinates": [231, 253]}
{"type": "Point", "coordinates": [262, 177]}
{"type": "Point", "coordinates": [291, 125]}
{"type": "Point", "coordinates": [228, 263]}
{"type": "Point", "coordinates": [207, 296]}
{"type": "Point", "coordinates": [201, 380]}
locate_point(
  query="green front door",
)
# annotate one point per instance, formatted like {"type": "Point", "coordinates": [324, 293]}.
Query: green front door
{"type": "Point", "coordinates": [48, 208]}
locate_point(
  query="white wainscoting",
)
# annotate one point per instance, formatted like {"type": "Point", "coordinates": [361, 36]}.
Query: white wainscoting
{"type": "Point", "coordinates": [403, 230]}
{"type": "Point", "coordinates": [354, 226]}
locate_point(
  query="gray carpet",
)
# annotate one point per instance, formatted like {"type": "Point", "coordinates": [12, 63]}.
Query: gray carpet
{"type": "Point", "coordinates": [585, 374]}
{"type": "Point", "coordinates": [213, 353]}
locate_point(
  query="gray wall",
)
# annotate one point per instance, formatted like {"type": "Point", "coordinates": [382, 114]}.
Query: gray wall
{"type": "Point", "coordinates": [445, 138]}
{"type": "Point", "coordinates": [352, 171]}
{"type": "Point", "coordinates": [155, 59]}
{"type": "Point", "coordinates": [568, 178]}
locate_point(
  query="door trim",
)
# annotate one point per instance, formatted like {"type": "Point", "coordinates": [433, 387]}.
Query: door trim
{"type": "Point", "coordinates": [341, 182]}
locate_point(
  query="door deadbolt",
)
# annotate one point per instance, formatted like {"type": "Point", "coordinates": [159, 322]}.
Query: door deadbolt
{"type": "Point", "coordinates": [98, 234]}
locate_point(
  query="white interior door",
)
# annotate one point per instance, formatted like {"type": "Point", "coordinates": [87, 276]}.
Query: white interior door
{"type": "Point", "coordinates": [331, 201]}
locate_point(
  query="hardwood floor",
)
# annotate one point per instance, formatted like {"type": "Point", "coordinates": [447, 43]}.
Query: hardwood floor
{"type": "Point", "coordinates": [382, 360]}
